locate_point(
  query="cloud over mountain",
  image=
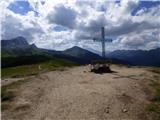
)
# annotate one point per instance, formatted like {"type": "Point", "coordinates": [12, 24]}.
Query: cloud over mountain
{"type": "Point", "coordinates": [62, 24]}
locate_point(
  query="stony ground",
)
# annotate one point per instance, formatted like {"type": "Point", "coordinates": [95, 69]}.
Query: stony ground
{"type": "Point", "coordinates": [78, 94]}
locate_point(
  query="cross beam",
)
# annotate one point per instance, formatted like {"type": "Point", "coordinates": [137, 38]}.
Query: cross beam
{"type": "Point", "coordinates": [103, 40]}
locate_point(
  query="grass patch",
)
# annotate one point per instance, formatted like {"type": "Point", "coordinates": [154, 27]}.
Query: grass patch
{"type": "Point", "coordinates": [7, 95]}
{"type": "Point", "coordinates": [9, 92]}
{"type": "Point", "coordinates": [5, 106]}
{"type": "Point", "coordinates": [19, 71]}
{"type": "Point", "coordinates": [25, 70]}
{"type": "Point", "coordinates": [154, 107]}
{"type": "Point", "coordinates": [22, 107]}
{"type": "Point", "coordinates": [57, 63]}
{"type": "Point", "coordinates": [155, 70]}
{"type": "Point", "coordinates": [154, 111]}
{"type": "Point", "coordinates": [156, 86]}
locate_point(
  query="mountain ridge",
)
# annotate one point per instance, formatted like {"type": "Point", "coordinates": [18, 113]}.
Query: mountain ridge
{"type": "Point", "coordinates": [138, 57]}
{"type": "Point", "coordinates": [26, 51]}
{"type": "Point", "coordinates": [17, 47]}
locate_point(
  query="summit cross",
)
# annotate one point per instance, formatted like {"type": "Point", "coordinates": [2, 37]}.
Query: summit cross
{"type": "Point", "coordinates": [103, 40]}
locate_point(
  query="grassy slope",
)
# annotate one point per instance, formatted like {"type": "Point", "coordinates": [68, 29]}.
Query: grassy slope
{"type": "Point", "coordinates": [24, 70]}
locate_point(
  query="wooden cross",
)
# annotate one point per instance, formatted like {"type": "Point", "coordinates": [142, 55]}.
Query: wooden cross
{"type": "Point", "coordinates": [103, 40]}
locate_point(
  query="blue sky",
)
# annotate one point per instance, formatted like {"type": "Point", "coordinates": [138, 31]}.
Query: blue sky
{"type": "Point", "coordinates": [20, 7]}
{"type": "Point", "coordinates": [23, 7]}
{"type": "Point", "coordinates": [145, 4]}
{"type": "Point", "coordinates": [61, 24]}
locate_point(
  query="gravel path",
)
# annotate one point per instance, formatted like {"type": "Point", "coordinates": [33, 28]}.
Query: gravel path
{"type": "Point", "coordinates": [77, 94]}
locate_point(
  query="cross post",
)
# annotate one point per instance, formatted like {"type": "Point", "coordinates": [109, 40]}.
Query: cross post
{"type": "Point", "coordinates": [103, 40]}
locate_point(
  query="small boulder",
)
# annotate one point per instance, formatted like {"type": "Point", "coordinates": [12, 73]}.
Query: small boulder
{"type": "Point", "coordinates": [124, 110]}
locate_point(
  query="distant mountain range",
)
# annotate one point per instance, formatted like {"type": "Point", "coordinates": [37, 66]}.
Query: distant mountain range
{"type": "Point", "coordinates": [138, 57]}
{"type": "Point", "coordinates": [19, 48]}
{"type": "Point", "coordinates": [18, 52]}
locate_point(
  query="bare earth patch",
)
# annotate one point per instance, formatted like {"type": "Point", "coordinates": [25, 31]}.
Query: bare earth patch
{"type": "Point", "coordinates": [73, 94]}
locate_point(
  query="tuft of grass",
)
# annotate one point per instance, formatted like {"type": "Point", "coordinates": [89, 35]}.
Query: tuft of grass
{"type": "Point", "coordinates": [154, 107]}
{"type": "Point", "coordinates": [157, 96]}
{"type": "Point", "coordinates": [155, 70]}
{"type": "Point", "coordinates": [154, 111]}
{"type": "Point", "coordinates": [5, 106]}
{"type": "Point", "coordinates": [9, 92]}
{"type": "Point", "coordinates": [22, 107]}
{"type": "Point", "coordinates": [7, 95]}
{"type": "Point", "coordinates": [156, 86]}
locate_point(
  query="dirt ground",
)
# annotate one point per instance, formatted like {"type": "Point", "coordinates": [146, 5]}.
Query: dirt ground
{"type": "Point", "coordinates": [78, 94]}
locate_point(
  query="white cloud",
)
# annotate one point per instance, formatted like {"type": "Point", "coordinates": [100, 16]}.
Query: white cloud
{"type": "Point", "coordinates": [62, 15]}
{"type": "Point", "coordinates": [17, 25]}
{"type": "Point", "coordinates": [84, 20]}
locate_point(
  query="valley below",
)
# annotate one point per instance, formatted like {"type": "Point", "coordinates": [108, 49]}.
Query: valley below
{"type": "Point", "coordinates": [75, 93]}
